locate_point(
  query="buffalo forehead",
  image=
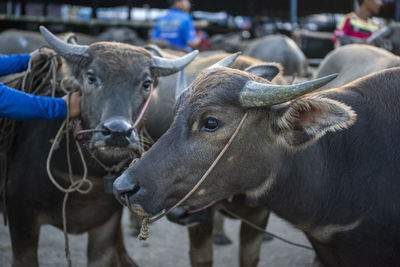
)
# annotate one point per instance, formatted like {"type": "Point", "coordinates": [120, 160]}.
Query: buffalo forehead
{"type": "Point", "coordinates": [118, 56]}
{"type": "Point", "coordinates": [222, 85]}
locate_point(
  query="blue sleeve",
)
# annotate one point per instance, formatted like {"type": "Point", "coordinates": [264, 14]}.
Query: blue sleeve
{"type": "Point", "coordinates": [13, 63]}
{"type": "Point", "coordinates": [189, 30]}
{"type": "Point", "coordinates": [18, 105]}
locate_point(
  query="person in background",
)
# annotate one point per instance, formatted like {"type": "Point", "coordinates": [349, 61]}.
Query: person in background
{"type": "Point", "coordinates": [358, 27]}
{"type": "Point", "coordinates": [18, 105]}
{"type": "Point", "coordinates": [177, 27]}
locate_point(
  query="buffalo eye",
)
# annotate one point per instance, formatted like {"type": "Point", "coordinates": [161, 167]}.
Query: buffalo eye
{"type": "Point", "coordinates": [91, 78]}
{"type": "Point", "coordinates": [146, 85]}
{"type": "Point", "coordinates": [210, 124]}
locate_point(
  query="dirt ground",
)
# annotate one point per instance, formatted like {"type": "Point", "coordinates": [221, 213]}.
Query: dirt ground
{"type": "Point", "coordinates": [167, 246]}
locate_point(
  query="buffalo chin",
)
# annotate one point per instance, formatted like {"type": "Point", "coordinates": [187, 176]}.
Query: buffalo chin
{"type": "Point", "coordinates": [114, 155]}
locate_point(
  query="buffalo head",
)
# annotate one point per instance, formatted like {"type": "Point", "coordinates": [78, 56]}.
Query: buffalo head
{"type": "Point", "coordinates": [115, 80]}
{"type": "Point", "coordinates": [280, 120]}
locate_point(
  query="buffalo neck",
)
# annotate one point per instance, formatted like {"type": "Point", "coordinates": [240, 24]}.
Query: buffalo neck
{"type": "Point", "coordinates": [315, 186]}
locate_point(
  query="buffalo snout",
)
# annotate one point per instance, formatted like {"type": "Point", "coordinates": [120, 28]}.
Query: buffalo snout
{"type": "Point", "coordinates": [118, 133]}
{"type": "Point", "coordinates": [124, 190]}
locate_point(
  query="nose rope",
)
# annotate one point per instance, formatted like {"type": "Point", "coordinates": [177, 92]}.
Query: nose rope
{"type": "Point", "coordinates": [202, 208]}
{"type": "Point", "coordinates": [78, 134]}
{"type": "Point", "coordinates": [146, 104]}
{"type": "Point", "coordinates": [144, 229]}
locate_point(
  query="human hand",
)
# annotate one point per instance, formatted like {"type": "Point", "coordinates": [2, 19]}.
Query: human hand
{"type": "Point", "coordinates": [74, 104]}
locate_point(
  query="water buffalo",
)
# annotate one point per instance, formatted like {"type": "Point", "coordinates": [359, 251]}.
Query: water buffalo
{"type": "Point", "coordinates": [271, 48]}
{"type": "Point", "coordinates": [122, 35]}
{"type": "Point", "coordinates": [322, 160]}
{"type": "Point", "coordinates": [160, 116]}
{"type": "Point", "coordinates": [353, 61]}
{"type": "Point", "coordinates": [230, 42]}
{"type": "Point", "coordinates": [19, 41]}
{"type": "Point", "coordinates": [281, 49]}
{"type": "Point", "coordinates": [115, 80]}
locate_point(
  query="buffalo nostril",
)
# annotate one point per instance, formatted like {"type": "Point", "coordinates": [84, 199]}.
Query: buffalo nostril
{"type": "Point", "coordinates": [106, 131]}
{"type": "Point", "coordinates": [118, 126]}
{"type": "Point", "coordinates": [129, 132]}
{"type": "Point", "coordinates": [133, 191]}
{"type": "Point", "coordinates": [128, 194]}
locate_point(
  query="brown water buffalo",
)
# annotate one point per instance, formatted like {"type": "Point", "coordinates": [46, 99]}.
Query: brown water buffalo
{"type": "Point", "coordinates": [353, 61]}
{"type": "Point", "coordinates": [115, 81]}
{"type": "Point", "coordinates": [160, 116]}
{"type": "Point", "coordinates": [326, 161]}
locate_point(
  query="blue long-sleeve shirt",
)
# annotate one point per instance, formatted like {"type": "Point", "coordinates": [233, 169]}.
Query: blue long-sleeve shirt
{"type": "Point", "coordinates": [21, 106]}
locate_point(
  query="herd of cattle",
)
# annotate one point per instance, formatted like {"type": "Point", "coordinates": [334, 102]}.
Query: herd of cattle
{"type": "Point", "coordinates": [325, 161]}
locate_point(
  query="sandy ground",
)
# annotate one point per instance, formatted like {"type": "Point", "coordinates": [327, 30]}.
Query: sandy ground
{"type": "Point", "coordinates": [167, 246]}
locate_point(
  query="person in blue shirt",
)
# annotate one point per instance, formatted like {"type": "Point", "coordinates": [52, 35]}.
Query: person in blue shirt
{"type": "Point", "coordinates": [18, 105]}
{"type": "Point", "coordinates": [177, 27]}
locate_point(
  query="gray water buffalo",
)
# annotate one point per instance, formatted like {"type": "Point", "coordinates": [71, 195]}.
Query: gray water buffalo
{"type": "Point", "coordinates": [271, 48]}
{"type": "Point", "coordinates": [230, 42]}
{"type": "Point", "coordinates": [18, 41]}
{"type": "Point", "coordinates": [115, 81]}
{"type": "Point", "coordinates": [326, 161]}
{"type": "Point", "coordinates": [354, 61]}
{"type": "Point", "coordinates": [281, 49]}
{"type": "Point", "coordinates": [122, 35]}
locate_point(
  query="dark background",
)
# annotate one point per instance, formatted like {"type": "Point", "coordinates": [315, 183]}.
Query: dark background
{"type": "Point", "coordinates": [248, 7]}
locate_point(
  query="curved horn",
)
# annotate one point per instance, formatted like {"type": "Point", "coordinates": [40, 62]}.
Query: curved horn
{"type": "Point", "coordinates": [227, 61]}
{"type": "Point", "coordinates": [382, 33]}
{"type": "Point", "coordinates": [181, 84]}
{"type": "Point", "coordinates": [68, 51]}
{"type": "Point", "coordinates": [163, 66]}
{"type": "Point", "coordinates": [255, 94]}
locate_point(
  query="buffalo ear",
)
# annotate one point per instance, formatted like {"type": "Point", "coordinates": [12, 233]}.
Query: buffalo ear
{"type": "Point", "coordinates": [265, 70]}
{"type": "Point", "coordinates": [303, 121]}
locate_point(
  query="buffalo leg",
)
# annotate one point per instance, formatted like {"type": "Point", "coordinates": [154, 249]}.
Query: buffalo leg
{"type": "Point", "coordinates": [201, 244]}
{"type": "Point", "coordinates": [219, 235]}
{"type": "Point", "coordinates": [251, 238]}
{"type": "Point", "coordinates": [106, 247]}
{"type": "Point", "coordinates": [24, 231]}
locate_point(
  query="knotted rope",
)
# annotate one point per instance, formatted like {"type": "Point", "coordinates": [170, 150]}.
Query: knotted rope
{"type": "Point", "coordinates": [75, 186]}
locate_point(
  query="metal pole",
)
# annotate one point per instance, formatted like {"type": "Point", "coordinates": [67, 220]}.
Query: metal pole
{"type": "Point", "coordinates": [397, 11]}
{"type": "Point", "coordinates": [293, 12]}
